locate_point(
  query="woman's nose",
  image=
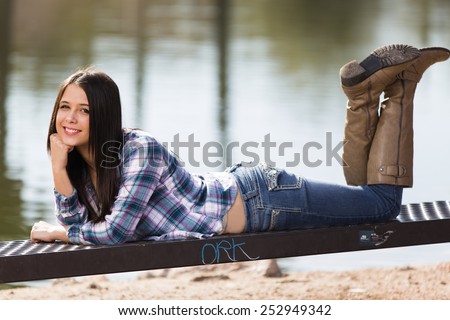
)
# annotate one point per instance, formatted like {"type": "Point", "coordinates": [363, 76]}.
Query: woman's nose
{"type": "Point", "coordinates": [70, 117]}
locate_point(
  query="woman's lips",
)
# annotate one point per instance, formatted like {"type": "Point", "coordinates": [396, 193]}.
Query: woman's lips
{"type": "Point", "coordinates": [70, 131]}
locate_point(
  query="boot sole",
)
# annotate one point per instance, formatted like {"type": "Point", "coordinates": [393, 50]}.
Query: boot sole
{"type": "Point", "coordinates": [391, 55]}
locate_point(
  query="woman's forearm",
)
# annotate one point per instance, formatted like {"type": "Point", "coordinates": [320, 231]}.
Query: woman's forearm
{"type": "Point", "coordinates": [62, 182]}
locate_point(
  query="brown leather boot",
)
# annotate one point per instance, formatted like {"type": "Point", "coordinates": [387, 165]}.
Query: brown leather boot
{"type": "Point", "coordinates": [363, 83]}
{"type": "Point", "coordinates": [391, 154]}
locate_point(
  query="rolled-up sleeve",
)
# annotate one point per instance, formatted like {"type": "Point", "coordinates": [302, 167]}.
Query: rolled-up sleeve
{"type": "Point", "coordinates": [69, 210]}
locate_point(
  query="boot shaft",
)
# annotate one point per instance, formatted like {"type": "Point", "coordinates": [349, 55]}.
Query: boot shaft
{"type": "Point", "coordinates": [391, 154]}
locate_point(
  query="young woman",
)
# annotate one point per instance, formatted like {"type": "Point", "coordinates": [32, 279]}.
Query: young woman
{"type": "Point", "coordinates": [114, 185]}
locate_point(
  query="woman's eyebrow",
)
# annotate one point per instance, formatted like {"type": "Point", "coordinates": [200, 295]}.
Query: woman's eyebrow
{"type": "Point", "coordinates": [81, 104]}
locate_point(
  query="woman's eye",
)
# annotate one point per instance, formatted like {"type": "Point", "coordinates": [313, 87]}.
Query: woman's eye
{"type": "Point", "coordinates": [85, 111]}
{"type": "Point", "coordinates": [64, 106]}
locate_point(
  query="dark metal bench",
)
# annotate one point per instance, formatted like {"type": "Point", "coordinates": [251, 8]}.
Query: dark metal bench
{"type": "Point", "coordinates": [421, 223]}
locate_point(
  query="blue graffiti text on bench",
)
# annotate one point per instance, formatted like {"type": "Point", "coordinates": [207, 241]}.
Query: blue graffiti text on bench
{"type": "Point", "coordinates": [227, 247]}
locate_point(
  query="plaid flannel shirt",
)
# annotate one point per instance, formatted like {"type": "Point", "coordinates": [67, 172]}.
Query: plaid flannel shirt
{"type": "Point", "coordinates": [157, 199]}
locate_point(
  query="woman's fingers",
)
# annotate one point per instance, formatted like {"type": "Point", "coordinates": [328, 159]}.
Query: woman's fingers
{"type": "Point", "coordinates": [59, 152]}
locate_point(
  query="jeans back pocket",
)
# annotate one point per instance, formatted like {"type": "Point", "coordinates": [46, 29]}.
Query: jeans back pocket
{"type": "Point", "coordinates": [279, 179]}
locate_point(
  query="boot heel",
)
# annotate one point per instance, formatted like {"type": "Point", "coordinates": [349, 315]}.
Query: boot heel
{"type": "Point", "coordinates": [352, 73]}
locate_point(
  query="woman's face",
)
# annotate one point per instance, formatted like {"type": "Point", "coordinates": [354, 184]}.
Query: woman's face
{"type": "Point", "coordinates": [72, 119]}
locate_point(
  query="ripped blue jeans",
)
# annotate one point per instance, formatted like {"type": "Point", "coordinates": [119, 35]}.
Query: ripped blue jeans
{"type": "Point", "coordinates": [275, 199]}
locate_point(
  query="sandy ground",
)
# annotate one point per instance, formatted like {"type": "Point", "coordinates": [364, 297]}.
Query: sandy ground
{"type": "Point", "coordinates": [248, 281]}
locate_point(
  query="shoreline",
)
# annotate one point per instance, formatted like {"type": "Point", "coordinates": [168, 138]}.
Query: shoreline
{"type": "Point", "coordinates": [246, 281]}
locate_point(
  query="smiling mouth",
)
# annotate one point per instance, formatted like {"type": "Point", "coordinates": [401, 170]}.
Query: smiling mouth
{"type": "Point", "coordinates": [71, 131]}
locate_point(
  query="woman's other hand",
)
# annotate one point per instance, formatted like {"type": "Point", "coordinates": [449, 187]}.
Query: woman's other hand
{"type": "Point", "coordinates": [46, 232]}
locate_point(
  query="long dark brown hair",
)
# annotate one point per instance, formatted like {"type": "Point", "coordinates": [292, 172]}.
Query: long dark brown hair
{"type": "Point", "coordinates": [105, 126]}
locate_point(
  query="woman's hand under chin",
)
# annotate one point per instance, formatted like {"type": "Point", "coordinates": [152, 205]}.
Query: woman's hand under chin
{"type": "Point", "coordinates": [46, 232]}
{"type": "Point", "coordinates": [59, 152]}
